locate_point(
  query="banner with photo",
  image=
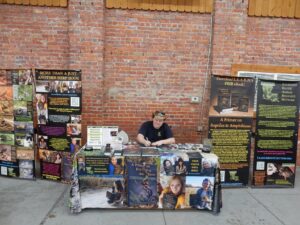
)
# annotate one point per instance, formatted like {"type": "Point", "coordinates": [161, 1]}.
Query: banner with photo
{"type": "Point", "coordinates": [232, 96]}
{"type": "Point", "coordinates": [16, 124]}
{"type": "Point", "coordinates": [145, 178]}
{"type": "Point", "coordinates": [230, 122]}
{"type": "Point", "coordinates": [276, 134]}
{"type": "Point", "coordinates": [58, 104]}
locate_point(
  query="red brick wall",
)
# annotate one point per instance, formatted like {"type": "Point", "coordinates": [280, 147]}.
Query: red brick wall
{"type": "Point", "coordinates": [273, 41]}
{"type": "Point", "coordinates": [134, 62]}
{"type": "Point", "coordinates": [155, 60]}
{"type": "Point", "coordinates": [239, 39]}
{"type": "Point", "coordinates": [33, 37]}
{"type": "Point", "coordinates": [229, 35]}
{"type": "Point", "coordinates": [86, 41]}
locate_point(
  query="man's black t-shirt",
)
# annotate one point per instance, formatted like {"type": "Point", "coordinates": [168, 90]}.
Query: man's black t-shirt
{"type": "Point", "coordinates": [153, 135]}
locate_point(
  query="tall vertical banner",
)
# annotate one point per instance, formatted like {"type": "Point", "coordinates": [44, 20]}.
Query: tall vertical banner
{"type": "Point", "coordinates": [58, 104]}
{"type": "Point", "coordinates": [276, 134]}
{"type": "Point", "coordinates": [16, 124]}
{"type": "Point", "coordinates": [230, 121]}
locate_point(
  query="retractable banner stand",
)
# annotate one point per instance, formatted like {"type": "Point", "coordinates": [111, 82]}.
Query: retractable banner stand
{"type": "Point", "coordinates": [58, 104]}
{"type": "Point", "coordinates": [16, 124]}
{"type": "Point", "coordinates": [276, 134]}
{"type": "Point", "coordinates": [230, 121]}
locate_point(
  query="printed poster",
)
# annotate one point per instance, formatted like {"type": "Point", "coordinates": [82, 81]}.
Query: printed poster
{"type": "Point", "coordinates": [276, 134]}
{"type": "Point", "coordinates": [58, 104]}
{"type": "Point", "coordinates": [231, 142]}
{"type": "Point", "coordinates": [16, 124]}
{"type": "Point", "coordinates": [230, 123]}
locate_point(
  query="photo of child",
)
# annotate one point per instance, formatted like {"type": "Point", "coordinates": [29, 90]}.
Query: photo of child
{"type": "Point", "coordinates": [172, 196]}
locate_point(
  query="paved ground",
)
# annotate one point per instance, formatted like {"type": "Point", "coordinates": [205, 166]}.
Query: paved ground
{"type": "Point", "coordinates": [43, 202]}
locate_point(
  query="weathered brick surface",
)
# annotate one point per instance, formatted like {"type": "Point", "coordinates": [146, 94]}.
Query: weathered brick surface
{"type": "Point", "coordinates": [86, 42]}
{"type": "Point", "coordinates": [33, 37]}
{"type": "Point", "coordinates": [155, 60]}
{"type": "Point", "coordinates": [134, 62]}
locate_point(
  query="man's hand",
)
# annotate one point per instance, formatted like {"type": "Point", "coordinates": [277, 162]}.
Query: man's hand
{"type": "Point", "coordinates": [157, 143]}
{"type": "Point", "coordinates": [147, 143]}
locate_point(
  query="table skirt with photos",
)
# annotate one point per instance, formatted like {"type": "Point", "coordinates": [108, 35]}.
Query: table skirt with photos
{"type": "Point", "coordinates": [145, 178]}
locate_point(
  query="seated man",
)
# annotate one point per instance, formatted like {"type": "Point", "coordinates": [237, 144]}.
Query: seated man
{"type": "Point", "coordinates": [155, 132]}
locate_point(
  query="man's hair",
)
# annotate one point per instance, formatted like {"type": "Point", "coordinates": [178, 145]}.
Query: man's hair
{"type": "Point", "coordinates": [159, 113]}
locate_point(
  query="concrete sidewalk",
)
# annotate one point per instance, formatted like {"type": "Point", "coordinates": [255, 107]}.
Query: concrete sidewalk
{"type": "Point", "coordinates": [43, 202]}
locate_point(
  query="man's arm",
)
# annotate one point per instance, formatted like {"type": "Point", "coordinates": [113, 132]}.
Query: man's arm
{"type": "Point", "coordinates": [167, 141]}
{"type": "Point", "coordinates": [141, 139]}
